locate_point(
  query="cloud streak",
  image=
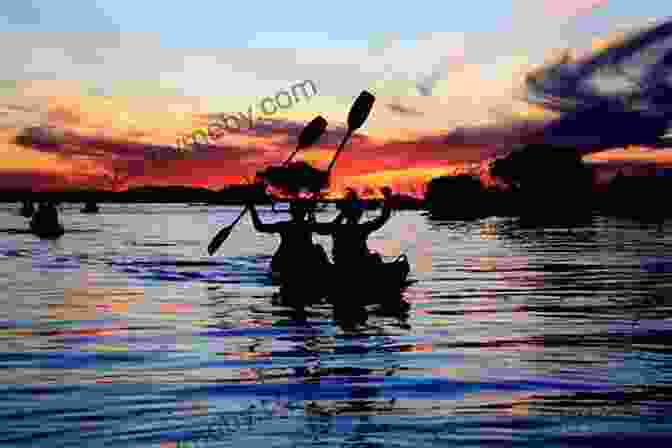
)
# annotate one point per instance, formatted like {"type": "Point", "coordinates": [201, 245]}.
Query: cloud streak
{"type": "Point", "coordinates": [90, 155]}
{"type": "Point", "coordinates": [572, 8]}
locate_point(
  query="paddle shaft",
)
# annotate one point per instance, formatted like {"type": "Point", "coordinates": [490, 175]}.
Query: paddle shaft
{"type": "Point", "coordinates": [289, 159]}
{"type": "Point", "coordinates": [224, 233]}
{"type": "Point", "coordinates": [338, 151]}
{"type": "Point", "coordinates": [239, 216]}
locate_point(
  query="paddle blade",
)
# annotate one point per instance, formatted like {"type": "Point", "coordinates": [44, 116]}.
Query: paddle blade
{"type": "Point", "coordinates": [312, 132]}
{"type": "Point", "coordinates": [360, 110]}
{"type": "Point", "coordinates": [217, 241]}
{"type": "Point", "coordinates": [223, 234]}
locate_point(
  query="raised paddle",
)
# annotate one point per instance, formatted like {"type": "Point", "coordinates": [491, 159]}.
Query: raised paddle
{"type": "Point", "coordinates": [359, 112]}
{"type": "Point", "coordinates": [301, 175]}
{"type": "Point", "coordinates": [310, 134]}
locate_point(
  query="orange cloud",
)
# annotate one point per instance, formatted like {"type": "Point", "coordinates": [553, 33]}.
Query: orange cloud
{"type": "Point", "coordinates": [637, 154]}
{"type": "Point", "coordinates": [92, 142]}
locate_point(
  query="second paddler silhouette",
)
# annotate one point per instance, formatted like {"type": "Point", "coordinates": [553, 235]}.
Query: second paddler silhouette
{"type": "Point", "coordinates": [350, 235]}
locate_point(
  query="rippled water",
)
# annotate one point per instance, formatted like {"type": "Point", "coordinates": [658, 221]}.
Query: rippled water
{"type": "Point", "coordinates": [125, 333]}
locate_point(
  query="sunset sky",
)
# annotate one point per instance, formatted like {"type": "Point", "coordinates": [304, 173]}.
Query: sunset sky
{"type": "Point", "coordinates": [116, 81]}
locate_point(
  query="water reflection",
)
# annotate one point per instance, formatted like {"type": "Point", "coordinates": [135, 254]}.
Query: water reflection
{"type": "Point", "coordinates": [88, 303]}
{"type": "Point", "coordinates": [577, 271]}
{"type": "Point", "coordinates": [314, 355]}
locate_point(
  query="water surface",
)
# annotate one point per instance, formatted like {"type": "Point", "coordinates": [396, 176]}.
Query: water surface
{"type": "Point", "coordinates": [125, 333]}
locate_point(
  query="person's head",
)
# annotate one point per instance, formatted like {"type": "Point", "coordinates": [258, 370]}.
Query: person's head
{"type": "Point", "coordinates": [352, 208]}
{"type": "Point", "coordinates": [354, 214]}
{"type": "Point", "coordinates": [298, 210]}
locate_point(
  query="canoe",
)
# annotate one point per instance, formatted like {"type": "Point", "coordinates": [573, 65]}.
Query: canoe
{"type": "Point", "coordinates": [304, 287]}
{"type": "Point", "coordinates": [376, 284]}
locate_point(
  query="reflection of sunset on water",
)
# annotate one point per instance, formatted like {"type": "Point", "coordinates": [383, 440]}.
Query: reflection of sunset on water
{"type": "Point", "coordinates": [241, 356]}
{"type": "Point", "coordinates": [510, 404]}
{"type": "Point", "coordinates": [88, 301]}
{"type": "Point", "coordinates": [423, 257]}
{"type": "Point", "coordinates": [416, 348]}
{"type": "Point", "coordinates": [92, 303]}
{"type": "Point", "coordinates": [488, 231]}
{"type": "Point", "coordinates": [248, 376]}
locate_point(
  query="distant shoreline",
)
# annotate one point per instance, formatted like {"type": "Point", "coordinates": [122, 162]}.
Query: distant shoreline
{"type": "Point", "coordinates": [567, 193]}
{"type": "Point", "coordinates": [234, 195]}
{"type": "Point", "coordinates": [478, 204]}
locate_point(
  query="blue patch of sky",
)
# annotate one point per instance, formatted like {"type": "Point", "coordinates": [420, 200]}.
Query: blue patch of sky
{"type": "Point", "coordinates": [51, 16]}
{"type": "Point", "coordinates": [206, 24]}
{"type": "Point", "coordinates": [295, 24]}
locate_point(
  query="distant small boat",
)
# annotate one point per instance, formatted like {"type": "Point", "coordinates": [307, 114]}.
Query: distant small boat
{"type": "Point", "coordinates": [44, 222]}
{"type": "Point", "coordinates": [47, 232]}
{"type": "Point", "coordinates": [91, 207]}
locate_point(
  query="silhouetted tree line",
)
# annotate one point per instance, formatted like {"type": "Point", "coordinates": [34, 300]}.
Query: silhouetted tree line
{"type": "Point", "coordinates": [460, 196]}
{"type": "Point", "coordinates": [545, 181]}
{"type": "Point", "coordinates": [233, 195]}
{"type": "Point", "coordinates": [236, 194]}
{"type": "Point", "coordinates": [637, 196]}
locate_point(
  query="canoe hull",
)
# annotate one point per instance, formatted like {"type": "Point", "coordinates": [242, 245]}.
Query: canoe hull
{"type": "Point", "coordinates": [378, 284]}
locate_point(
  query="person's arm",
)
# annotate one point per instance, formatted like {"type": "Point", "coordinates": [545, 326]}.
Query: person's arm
{"type": "Point", "coordinates": [258, 225]}
{"type": "Point", "coordinates": [380, 221]}
{"type": "Point", "coordinates": [377, 223]}
{"type": "Point", "coordinates": [338, 219]}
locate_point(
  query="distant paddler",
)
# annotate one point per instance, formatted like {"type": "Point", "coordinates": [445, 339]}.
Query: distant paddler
{"type": "Point", "coordinates": [45, 222]}
{"type": "Point", "coordinates": [28, 209]}
{"type": "Point", "coordinates": [91, 207]}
